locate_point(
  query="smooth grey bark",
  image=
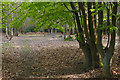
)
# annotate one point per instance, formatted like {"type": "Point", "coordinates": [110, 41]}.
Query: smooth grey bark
{"type": "Point", "coordinates": [11, 34]}
{"type": "Point", "coordinates": [15, 15]}
{"type": "Point", "coordinates": [11, 28]}
{"type": "Point", "coordinates": [106, 65]}
{"type": "Point", "coordinates": [7, 32]}
{"type": "Point", "coordinates": [88, 58]}
{"type": "Point", "coordinates": [6, 29]}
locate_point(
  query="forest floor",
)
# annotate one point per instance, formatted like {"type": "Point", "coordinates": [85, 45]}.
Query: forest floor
{"type": "Point", "coordinates": [45, 56]}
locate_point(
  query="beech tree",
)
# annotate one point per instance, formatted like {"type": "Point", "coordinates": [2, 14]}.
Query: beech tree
{"type": "Point", "coordinates": [8, 14]}
{"type": "Point", "coordinates": [94, 43]}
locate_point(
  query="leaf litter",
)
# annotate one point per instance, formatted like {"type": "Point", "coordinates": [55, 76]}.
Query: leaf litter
{"type": "Point", "coordinates": [47, 57]}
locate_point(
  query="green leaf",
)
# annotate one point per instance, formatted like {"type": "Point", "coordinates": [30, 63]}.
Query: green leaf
{"type": "Point", "coordinates": [101, 64]}
{"type": "Point", "coordinates": [92, 10]}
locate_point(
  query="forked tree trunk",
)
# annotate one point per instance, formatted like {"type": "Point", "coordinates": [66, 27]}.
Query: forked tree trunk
{"type": "Point", "coordinates": [110, 50]}
{"type": "Point", "coordinates": [88, 47]}
{"type": "Point", "coordinates": [92, 37]}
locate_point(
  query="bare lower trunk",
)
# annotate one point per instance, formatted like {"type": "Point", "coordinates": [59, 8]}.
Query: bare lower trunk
{"type": "Point", "coordinates": [89, 62]}
{"type": "Point", "coordinates": [110, 51]}
{"type": "Point", "coordinates": [106, 66]}
{"type": "Point", "coordinates": [91, 57]}
{"type": "Point", "coordinates": [21, 30]}
{"type": "Point", "coordinates": [95, 60]}
{"type": "Point", "coordinates": [11, 34]}
{"type": "Point", "coordinates": [7, 32]}
{"type": "Point", "coordinates": [88, 58]}
{"type": "Point", "coordinates": [95, 57]}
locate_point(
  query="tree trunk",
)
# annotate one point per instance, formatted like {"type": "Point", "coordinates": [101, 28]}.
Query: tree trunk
{"type": "Point", "coordinates": [119, 29]}
{"type": "Point", "coordinates": [88, 47]}
{"type": "Point", "coordinates": [95, 56]}
{"type": "Point", "coordinates": [92, 38]}
{"type": "Point", "coordinates": [65, 26]}
{"type": "Point", "coordinates": [119, 22]}
{"type": "Point", "coordinates": [51, 30]}
{"type": "Point", "coordinates": [11, 29]}
{"type": "Point", "coordinates": [106, 66]}
{"type": "Point", "coordinates": [94, 15]}
{"type": "Point", "coordinates": [16, 32]}
{"type": "Point", "coordinates": [6, 29]}
{"type": "Point", "coordinates": [48, 30]}
{"type": "Point", "coordinates": [11, 34]}
{"type": "Point", "coordinates": [71, 31]}
{"type": "Point", "coordinates": [88, 56]}
{"type": "Point", "coordinates": [55, 31]}
{"type": "Point", "coordinates": [7, 25]}
{"type": "Point", "coordinates": [110, 51]}
{"type": "Point", "coordinates": [7, 32]}
{"type": "Point", "coordinates": [99, 32]}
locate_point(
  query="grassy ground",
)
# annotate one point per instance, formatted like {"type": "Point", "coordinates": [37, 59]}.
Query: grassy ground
{"type": "Point", "coordinates": [45, 56]}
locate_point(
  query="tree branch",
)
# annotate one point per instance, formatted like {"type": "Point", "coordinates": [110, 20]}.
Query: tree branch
{"type": "Point", "coordinates": [99, 35]}
{"type": "Point", "coordinates": [113, 35]}
{"type": "Point", "coordinates": [108, 23]}
{"type": "Point", "coordinates": [68, 8]}
{"type": "Point", "coordinates": [80, 30]}
{"type": "Point", "coordinates": [82, 8]}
